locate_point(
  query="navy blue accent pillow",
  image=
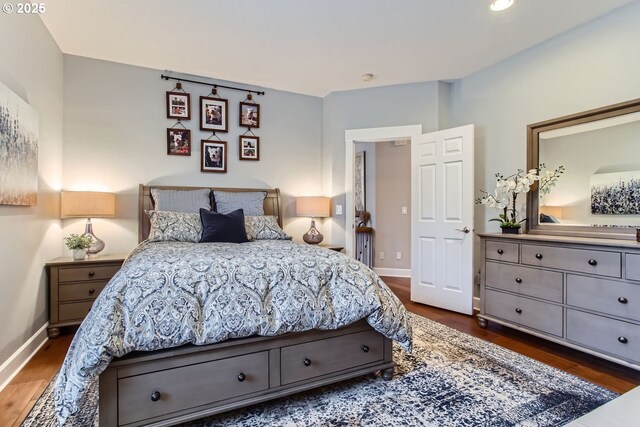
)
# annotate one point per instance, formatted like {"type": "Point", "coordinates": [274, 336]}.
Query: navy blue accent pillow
{"type": "Point", "coordinates": [217, 227]}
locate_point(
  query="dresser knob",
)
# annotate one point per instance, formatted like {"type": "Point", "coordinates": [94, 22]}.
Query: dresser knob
{"type": "Point", "coordinates": [92, 291]}
{"type": "Point", "coordinates": [307, 362]}
{"type": "Point", "coordinates": [92, 273]}
{"type": "Point", "coordinates": [500, 251]}
{"type": "Point", "coordinates": [365, 348]}
{"type": "Point", "coordinates": [623, 340]}
{"type": "Point", "coordinates": [622, 300]}
{"type": "Point", "coordinates": [518, 310]}
{"type": "Point", "coordinates": [242, 377]}
{"type": "Point", "coordinates": [518, 280]}
{"type": "Point", "coordinates": [593, 262]}
{"type": "Point", "coordinates": [155, 396]}
{"type": "Point", "coordinates": [539, 256]}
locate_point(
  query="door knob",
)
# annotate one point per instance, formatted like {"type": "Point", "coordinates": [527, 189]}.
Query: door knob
{"type": "Point", "coordinates": [464, 230]}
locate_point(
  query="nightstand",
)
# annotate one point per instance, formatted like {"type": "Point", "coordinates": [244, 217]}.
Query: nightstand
{"type": "Point", "coordinates": [74, 285]}
{"type": "Point", "coordinates": [332, 247]}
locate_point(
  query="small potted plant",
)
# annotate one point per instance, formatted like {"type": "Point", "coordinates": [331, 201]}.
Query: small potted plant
{"type": "Point", "coordinates": [78, 244]}
{"type": "Point", "coordinates": [507, 190]}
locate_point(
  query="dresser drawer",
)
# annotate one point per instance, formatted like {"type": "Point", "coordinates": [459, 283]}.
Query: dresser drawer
{"type": "Point", "coordinates": [604, 334]}
{"type": "Point", "coordinates": [606, 296]}
{"type": "Point", "coordinates": [529, 281]}
{"type": "Point", "coordinates": [501, 251]}
{"type": "Point", "coordinates": [632, 269]}
{"type": "Point", "coordinates": [524, 311]}
{"type": "Point", "coordinates": [73, 311]}
{"type": "Point", "coordinates": [308, 360]}
{"type": "Point", "coordinates": [190, 386]}
{"type": "Point", "coordinates": [81, 291]}
{"type": "Point", "coordinates": [602, 263]}
{"type": "Point", "coordinates": [77, 274]}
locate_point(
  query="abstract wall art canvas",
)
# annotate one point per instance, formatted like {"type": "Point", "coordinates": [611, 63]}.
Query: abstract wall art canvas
{"type": "Point", "coordinates": [359, 190]}
{"type": "Point", "coordinates": [18, 150]}
{"type": "Point", "coordinates": [615, 193]}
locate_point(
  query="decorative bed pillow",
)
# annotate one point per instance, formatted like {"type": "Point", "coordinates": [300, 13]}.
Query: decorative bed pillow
{"type": "Point", "coordinates": [218, 227]}
{"type": "Point", "coordinates": [264, 228]}
{"type": "Point", "coordinates": [174, 226]}
{"type": "Point", "coordinates": [181, 200]}
{"type": "Point", "coordinates": [251, 202]}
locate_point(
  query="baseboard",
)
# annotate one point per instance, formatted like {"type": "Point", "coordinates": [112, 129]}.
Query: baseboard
{"type": "Point", "coordinates": [16, 362]}
{"type": "Point", "coordinates": [393, 272]}
{"type": "Point", "coordinates": [476, 303]}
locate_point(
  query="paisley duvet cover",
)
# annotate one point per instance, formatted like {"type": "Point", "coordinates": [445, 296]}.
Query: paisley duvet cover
{"type": "Point", "coordinates": [169, 294]}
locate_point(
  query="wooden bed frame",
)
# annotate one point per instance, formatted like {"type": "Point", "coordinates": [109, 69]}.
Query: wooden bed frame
{"type": "Point", "coordinates": [172, 386]}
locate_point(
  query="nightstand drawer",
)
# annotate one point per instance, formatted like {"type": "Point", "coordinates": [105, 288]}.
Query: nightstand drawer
{"type": "Point", "coordinates": [73, 311]}
{"type": "Point", "coordinates": [78, 274]}
{"type": "Point", "coordinates": [81, 291]}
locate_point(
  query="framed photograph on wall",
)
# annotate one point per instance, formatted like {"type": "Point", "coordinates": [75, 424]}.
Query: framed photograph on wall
{"type": "Point", "coordinates": [249, 115]}
{"type": "Point", "coordinates": [213, 156]}
{"type": "Point", "coordinates": [178, 105]}
{"type": "Point", "coordinates": [249, 147]}
{"type": "Point", "coordinates": [178, 142]}
{"type": "Point", "coordinates": [213, 114]}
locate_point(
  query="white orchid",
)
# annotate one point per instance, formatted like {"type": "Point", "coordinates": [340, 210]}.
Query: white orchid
{"type": "Point", "coordinates": [507, 190]}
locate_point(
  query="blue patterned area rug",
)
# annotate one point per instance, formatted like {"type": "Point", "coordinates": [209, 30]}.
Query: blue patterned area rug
{"type": "Point", "coordinates": [451, 379]}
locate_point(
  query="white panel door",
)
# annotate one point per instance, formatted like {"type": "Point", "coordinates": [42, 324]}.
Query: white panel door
{"type": "Point", "coordinates": [442, 219]}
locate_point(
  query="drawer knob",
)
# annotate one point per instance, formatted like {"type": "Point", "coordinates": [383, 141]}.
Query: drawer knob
{"type": "Point", "coordinates": [242, 377]}
{"type": "Point", "coordinates": [500, 251]}
{"type": "Point", "coordinates": [539, 256]}
{"type": "Point", "coordinates": [593, 262]}
{"type": "Point", "coordinates": [155, 396]}
{"type": "Point", "coordinates": [518, 310]}
{"type": "Point", "coordinates": [623, 340]}
{"type": "Point", "coordinates": [518, 280]}
{"type": "Point", "coordinates": [622, 300]}
{"type": "Point", "coordinates": [365, 348]}
{"type": "Point", "coordinates": [307, 362]}
{"type": "Point", "coordinates": [92, 291]}
{"type": "Point", "coordinates": [92, 273]}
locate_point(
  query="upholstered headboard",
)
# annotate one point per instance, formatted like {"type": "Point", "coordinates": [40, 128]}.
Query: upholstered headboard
{"type": "Point", "coordinates": [272, 203]}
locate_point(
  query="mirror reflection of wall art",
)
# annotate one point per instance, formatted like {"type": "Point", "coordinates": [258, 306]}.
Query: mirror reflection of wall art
{"type": "Point", "coordinates": [18, 150]}
{"type": "Point", "coordinates": [615, 193]}
{"type": "Point", "coordinates": [359, 173]}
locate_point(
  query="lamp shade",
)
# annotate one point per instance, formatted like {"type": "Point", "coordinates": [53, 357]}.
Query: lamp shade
{"type": "Point", "coordinates": [87, 204]}
{"type": "Point", "coordinates": [554, 211]}
{"type": "Point", "coordinates": [318, 207]}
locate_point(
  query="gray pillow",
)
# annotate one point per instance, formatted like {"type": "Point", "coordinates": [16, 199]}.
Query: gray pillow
{"type": "Point", "coordinates": [264, 228]}
{"type": "Point", "coordinates": [174, 226]}
{"type": "Point", "coordinates": [181, 200]}
{"type": "Point", "coordinates": [251, 202]}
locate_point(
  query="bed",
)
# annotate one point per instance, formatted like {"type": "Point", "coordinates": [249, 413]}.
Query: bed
{"type": "Point", "coordinates": [186, 330]}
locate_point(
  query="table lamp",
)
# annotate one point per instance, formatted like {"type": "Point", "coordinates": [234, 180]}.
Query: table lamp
{"type": "Point", "coordinates": [88, 204]}
{"type": "Point", "coordinates": [314, 207]}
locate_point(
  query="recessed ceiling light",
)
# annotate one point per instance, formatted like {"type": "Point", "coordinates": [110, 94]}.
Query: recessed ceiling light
{"type": "Point", "coordinates": [498, 5]}
{"type": "Point", "coordinates": [367, 77]}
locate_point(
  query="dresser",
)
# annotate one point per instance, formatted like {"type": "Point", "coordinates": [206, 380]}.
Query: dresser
{"type": "Point", "coordinates": [74, 285]}
{"type": "Point", "coordinates": [580, 292]}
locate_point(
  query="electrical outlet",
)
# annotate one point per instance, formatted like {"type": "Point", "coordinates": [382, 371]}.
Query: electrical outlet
{"type": "Point", "coordinates": [381, 255]}
{"type": "Point", "coordinates": [404, 210]}
{"type": "Point", "coordinates": [338, 209]}
{"type": "Point", "coordinates": [398, 255]}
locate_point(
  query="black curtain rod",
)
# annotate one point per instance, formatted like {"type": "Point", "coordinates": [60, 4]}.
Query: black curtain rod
{"type": "Point", "coordinates": [215, 85]}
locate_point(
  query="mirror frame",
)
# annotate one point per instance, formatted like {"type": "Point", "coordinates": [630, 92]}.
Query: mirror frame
{"type": "Point", "coordinates": [533, 140]}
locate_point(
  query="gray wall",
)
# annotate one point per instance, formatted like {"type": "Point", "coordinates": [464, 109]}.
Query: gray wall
{"type": "Point", "coordinates": [399, 105]}
{"type": "Point", "coordinates": [31, 66]}
{"type": "Point", "coordinates": [115, 138]}
{"type": "Point", "coordinates": [592, 66]}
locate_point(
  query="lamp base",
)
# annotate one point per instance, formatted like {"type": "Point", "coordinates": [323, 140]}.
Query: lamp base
{"type": "Point", "coordinates": [97, 244]}
{"type": "Point", "coordinates": [313, 236]}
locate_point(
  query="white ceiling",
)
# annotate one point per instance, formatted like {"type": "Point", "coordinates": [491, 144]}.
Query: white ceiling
{"type": "Point", "coordinates": [312, 46]}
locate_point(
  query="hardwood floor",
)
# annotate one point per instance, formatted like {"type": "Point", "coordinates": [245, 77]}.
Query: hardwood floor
{"type": "Point", "coordinates": [17, 399]}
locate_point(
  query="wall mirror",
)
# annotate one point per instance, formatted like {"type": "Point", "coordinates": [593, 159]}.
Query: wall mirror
{"type": "Point", "coordinates": [599, 193]}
